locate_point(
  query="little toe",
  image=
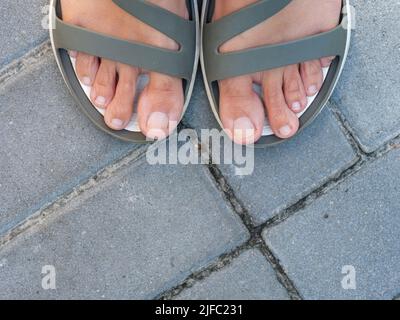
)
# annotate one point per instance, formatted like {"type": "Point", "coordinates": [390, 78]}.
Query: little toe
{"type": "Point", "coordinates": [119, 111]}
{"type": "Point", "coordinates": [104, 85]}
{"type": "Point", "coordinates": [293, 88]}
{"type": "Point", "coordinates": [312, 75]}
{"type": "Point", "coordinates": [241, 110]}
{"type": "Point", "coordinates": [86, 68]}
{"type": "Point", "coordinates": [283, 120]}
{"type": "Point", "coordinates": [160, 106]}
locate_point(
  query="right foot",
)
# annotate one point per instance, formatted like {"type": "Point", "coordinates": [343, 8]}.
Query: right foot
{"type": "Point", "coordinates": [113, 84]}
{"type": "Point", "coordinates": [285, 89]}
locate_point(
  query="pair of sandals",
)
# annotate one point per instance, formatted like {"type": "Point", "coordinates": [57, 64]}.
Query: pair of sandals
{"type": "Point", "coordinates": [199, 37]}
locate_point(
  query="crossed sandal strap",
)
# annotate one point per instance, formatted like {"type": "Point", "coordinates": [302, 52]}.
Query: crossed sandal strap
{"type": "Point", "coordinates": [174, 63]}
{"type": "Point", "coordinates": [222, 66]}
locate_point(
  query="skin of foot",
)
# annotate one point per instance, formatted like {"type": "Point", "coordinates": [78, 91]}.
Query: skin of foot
{"type": "Point", "coordinates": [285, 90]}
{"type": "Point", "coordinates": [113, 84]}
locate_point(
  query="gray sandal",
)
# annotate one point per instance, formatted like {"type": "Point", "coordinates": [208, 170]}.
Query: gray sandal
{"type": "Point", "coordinates": [181, 64]}
{"type": "Point", "coordinates": [217, 66]}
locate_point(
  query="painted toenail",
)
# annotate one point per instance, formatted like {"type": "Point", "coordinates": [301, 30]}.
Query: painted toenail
{"type": "Point", "coordinates": [100, 101]}
{"type": "Point", "coordinates": [244, 130]}
{"type": "Point", "coordinates": [117, 123]}
{"type": "Point", "coordinates": [285, 131]}
{"type": "Point", "coordinates": [296, 106]}
{"type": "Point", "coordinates": [86, 81]}
{"type": "Point", "coordinates": [312, 90]}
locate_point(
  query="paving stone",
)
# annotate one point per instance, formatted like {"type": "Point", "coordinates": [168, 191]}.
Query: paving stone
{"type": "Point", "coordinates": [199, 114]}
{"type": "Point", "coordinates": [367, 94]}
{"type": "Point", "coordinates": [356, 224]}
{"type": "Point", "coordinates": [22, 29]}
{"type": "Point", "coordinates": [47, 145]}
{"type": "Point", "coordinates": [133, 236]}
{"type": "Point", "coordinates": [286, 173]}
{"type": "Point", "coordinates": [249, 277]}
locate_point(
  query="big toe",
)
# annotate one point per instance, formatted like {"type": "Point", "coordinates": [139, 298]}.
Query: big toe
{"type": "Point", "coordinates": [241, 110]}
{"type": "Point", "coordinates": [160, 106]}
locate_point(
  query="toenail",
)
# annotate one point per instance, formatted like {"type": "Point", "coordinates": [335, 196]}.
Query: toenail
{"type": "Point", "coordinates": [296, 106]}
{"type": "Point", "coordinates": [73, 53]}
{"type": "Point", "coordinates": [243, 129]}
{"type": "Point", "coordinates": [117, 123]}
{"type": "Point", "coordinates": [312, 90]}
{"type": "Point", "coordinates": [86, 81]}
{"type": "Point", "coordinates": [285, 131]}
{"type": "Point", "coordinates": [158, 120]}
{"type": "Point", "coordinates": [100, 101]}
{"type": "Point", "coordinates": [157, 126]}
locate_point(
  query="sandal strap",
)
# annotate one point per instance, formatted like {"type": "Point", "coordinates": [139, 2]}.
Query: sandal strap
{"type": "Point", "coordinates": [228, 27]}
{"type": "Point", "coordinates": [221, 66]}
{"type": "Point", "coordinates": [175, 27]}
{"type": "Point", "coordinates": [174, 63]}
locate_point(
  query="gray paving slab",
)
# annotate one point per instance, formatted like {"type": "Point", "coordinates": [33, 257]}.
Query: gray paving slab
{"type": "Point", "coordinates": [199, 115]}
{"type": "Point", "coordinates": [353, 228]}
{"type": "Point", "coordinates": [21, 28]}
{"type": "Point", "coordinates": [47, 144]}
{"type": "Point", "coordinates": [368, 94]}
{"type": "Point", "coordinates": [248, 277]}
{"type": "Point", "coordinates": [286, 173]}
{"type": "Point", "coordinates": [133, 236]}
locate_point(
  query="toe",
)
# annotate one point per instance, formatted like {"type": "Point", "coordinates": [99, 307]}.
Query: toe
{"type": "Point", "coordinates": [104, 85]}
{"type": "Point", "coordinates": [160, 106]}
{"type": "Point", "coordinates": [119, 111]}
{"type": "Point", "coordinates": [241, 110]}
{"type": "Point", "coordinates": [86, 68]}
{"type": "Point", "coordinates": [326, 62]}
{"type": "Point", "coordinates": [73, 53]}
{"type": "Point", "coordinates": [311, 73]}
{"type": "Point", "coordinates": [293, 88]}
{"type": "Point", "coordinates": [283, 121]}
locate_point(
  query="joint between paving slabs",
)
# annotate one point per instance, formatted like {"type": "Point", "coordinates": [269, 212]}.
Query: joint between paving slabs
{"type": "Point", "coordinates": [256, 240]}
{"type": "Point", "coordinates": [346, 130]}
{"type": "Point", "coordinates": [224, 260]}
{"type": "Point", "coordinates": [227, 259]}
{"type": "Point", "coordinates": [354, 142]}
{"type": "Point", "coordinates": [29, 60]}
{"type": "Point", "coordinates": [52, 210]}
{"type": "Point", "coordinates": [218, 264]}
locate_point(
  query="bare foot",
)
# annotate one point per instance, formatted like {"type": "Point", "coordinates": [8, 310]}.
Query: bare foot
{"type": "Point", "coordinates": [113, 83]}
{"type": "Point", "coordinates": [285, 89]}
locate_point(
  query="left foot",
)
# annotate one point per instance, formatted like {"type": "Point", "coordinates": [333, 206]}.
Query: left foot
{"type": "Point", "coordinates": [285, 89]}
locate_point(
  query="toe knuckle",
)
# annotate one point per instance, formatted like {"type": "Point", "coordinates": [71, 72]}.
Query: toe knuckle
{"type": "Point", "coordinates": [292, 87]}
{"type": "Point", "coordinates": [275, 100]}
{"type": "Point", "coordinates": [279, 118]}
